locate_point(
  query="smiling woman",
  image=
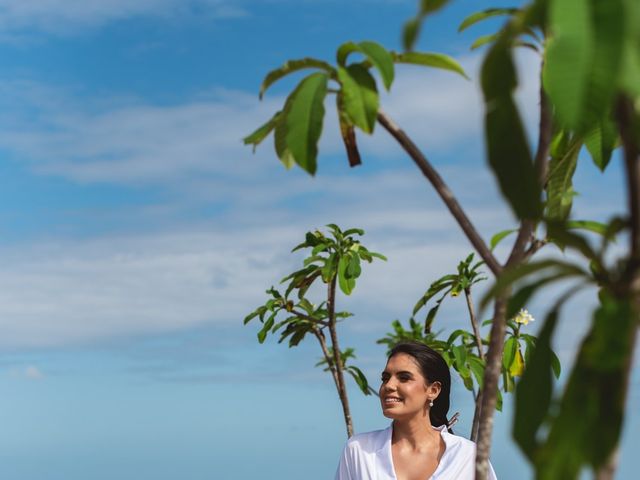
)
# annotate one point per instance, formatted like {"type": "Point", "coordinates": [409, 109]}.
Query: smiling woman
{"type": "Point", "coordinates": [418, 445]}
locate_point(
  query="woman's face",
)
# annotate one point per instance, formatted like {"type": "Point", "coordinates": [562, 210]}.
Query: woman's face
{"type": "Point", "coordinates": [404, 392]}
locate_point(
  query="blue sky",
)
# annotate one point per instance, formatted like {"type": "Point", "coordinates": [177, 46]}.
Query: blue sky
{"type": "Point", "coordinates": [136, 231]}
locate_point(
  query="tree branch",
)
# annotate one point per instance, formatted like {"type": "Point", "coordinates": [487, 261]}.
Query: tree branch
{"type": "Point", "coordinates": [490, 387]}
{"type": "Point", "coordinates": [342, 388]}
{"type": "Point", "coordinates": [474, 322]}
{"type": "Point", "coordinates": [442, 189]}
{"type": "Point", "coordinates": [327, 356]}
{"type": "Point", "coordinates": [309, 318]}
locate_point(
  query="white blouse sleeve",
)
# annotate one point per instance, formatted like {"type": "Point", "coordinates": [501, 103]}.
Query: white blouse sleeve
{"type": "Point", "coordinates": [345, 466]}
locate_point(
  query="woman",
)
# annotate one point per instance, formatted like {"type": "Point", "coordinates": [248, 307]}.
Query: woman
{"type": "Point", "coordinates": [417, 446]}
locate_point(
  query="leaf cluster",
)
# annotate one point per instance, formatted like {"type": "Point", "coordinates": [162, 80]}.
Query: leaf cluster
{"type": "Point", "coordinates": [297, 127]}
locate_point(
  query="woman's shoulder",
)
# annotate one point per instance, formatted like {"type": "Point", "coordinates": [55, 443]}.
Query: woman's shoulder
{"type": "Point", "coordinates": [369, 441]}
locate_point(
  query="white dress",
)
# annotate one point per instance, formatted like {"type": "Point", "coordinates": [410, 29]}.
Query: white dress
{"type": "Point", "coordinates": [367, 456]}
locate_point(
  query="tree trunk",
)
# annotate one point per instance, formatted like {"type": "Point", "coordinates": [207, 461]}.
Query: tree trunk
{"type": "Point", "coordinates": [489, 395]}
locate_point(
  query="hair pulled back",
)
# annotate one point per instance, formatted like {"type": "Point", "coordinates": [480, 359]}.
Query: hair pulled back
{"type": "Point", "coordinates": [434, 369]}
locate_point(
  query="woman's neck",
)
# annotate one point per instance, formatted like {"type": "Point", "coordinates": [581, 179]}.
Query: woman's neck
{"type": "Point", "coordinates": [416, 432]}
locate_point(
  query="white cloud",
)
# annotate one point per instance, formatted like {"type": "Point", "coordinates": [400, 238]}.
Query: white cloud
{"type": "Point", "coordinates": [67, 292]}
{"type": "Point", "coordinates": [124, 140]}
{"type": "Point", "coordinates": [30, 372]}
{"type": "Point", "coordinates": [65, 16]}
{"type": "Point", "coordinates": [134, 142]}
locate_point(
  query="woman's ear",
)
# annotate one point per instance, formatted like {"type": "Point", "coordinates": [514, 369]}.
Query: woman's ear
{"type": "Point", "coordinates": [434, 389]}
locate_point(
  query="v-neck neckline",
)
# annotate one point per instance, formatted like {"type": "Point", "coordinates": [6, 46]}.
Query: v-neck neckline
{"type": "Point", "coordinates": [389, 453]}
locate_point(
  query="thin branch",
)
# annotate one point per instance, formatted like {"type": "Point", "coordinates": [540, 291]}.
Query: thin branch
{"type": "Point", "coordinates": [309, 318]}
{"type": "Point", "coordinates": [442, 189]}
{"type": "Point", "coordinates": [474, 322]}
{"type": "Point", "coordinates": [536, 245]}
{"type": "Point", "coordinates": [342, 388]}
{"type": "Point", "coordinates": [476, 417]}
{"type": "Point", "coordinates": [327, 356]}
{"type": "Point", "coordinates": [631, 159]}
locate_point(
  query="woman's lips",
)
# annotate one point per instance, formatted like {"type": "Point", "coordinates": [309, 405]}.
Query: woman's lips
{"type": "Point", "coordinates": [392, 400]}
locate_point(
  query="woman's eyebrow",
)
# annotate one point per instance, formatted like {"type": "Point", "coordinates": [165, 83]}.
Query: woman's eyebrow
{"type": "Point", "coordinates": [401, 372]}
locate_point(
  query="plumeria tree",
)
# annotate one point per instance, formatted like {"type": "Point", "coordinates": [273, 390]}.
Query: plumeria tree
{"type": "Point", "coordinates": [465, 350]}
{"type": "Point", "coordinates": [334, 260]}
{"type": "Point", "coordinates": [589, 97]}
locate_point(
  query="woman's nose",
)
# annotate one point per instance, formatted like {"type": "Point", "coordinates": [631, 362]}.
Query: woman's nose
{"type": "Point", "coordinates": [390, 385]}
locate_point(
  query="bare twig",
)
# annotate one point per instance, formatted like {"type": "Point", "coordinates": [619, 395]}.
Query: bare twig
{"type": "Point", "coordinates": [443, 190]}
{"type": "Point", "coordinates": [327, 356]}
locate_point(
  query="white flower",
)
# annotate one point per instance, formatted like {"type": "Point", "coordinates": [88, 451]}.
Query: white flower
{"type": "Point", "coordinates": [524, 317]}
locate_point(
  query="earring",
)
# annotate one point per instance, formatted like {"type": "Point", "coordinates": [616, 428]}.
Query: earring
{"type": "Point", "coordinates": [430, 403]}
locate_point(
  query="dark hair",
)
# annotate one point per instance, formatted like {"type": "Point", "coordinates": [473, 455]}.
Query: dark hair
{"type": "Point", "coordinates": [434, 369]}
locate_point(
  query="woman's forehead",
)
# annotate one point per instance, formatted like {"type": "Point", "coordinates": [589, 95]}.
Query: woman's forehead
{"type": "Point", "coordinates": [402, 362]}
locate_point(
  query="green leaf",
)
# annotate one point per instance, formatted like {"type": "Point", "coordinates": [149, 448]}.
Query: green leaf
{"type": "Point", "coordinates": [329, 269]}
{"type": "Point", "coordinates": [298, 132]}
{"type": "Point", "coordinates": [558, 232]}
{"type": "Point", "coordinates": [595, 390]}
{"type": "Point", "coordinates": [354, 269]}
{"type": "Point", "coordinates": [588, 225]}
{"type": "Point", "coordinates": [567, 64]}
{"type": "Point", "coordinates": [251, 316]}
{"type": "Point", "coordinates": [559, 181]}
{"type": "Point", "coordinates": [360, 96]}
{"type": "Point", "coordinates": [379, 57]}
{"type": "Point", "coordinates": [353, 231]}
{"type": "Point", "coordinates": [262, 334]}
{"type": "Point", "coordinates": [509, 277]}
{"type": "Point", "coordinates": [378, 255]}
{"type": "Point", "coordinates": [476, 365]}
{"type": "Point", "coordinates": [609, 22]}
{"type": "Point", "coordinates": [601, 141]}
{"type": "Point", "coordinates": [435, 60]}
{"type": "Point", "coordinates": [533, 393]}
{"type": "Point", "coordinates": [483, 15]}
{"type": "Point", "coordinates": [410, 32]}
{"type": "Point", "coordinates": [508, 151]}
{"type": "Point", "coordinates": [555, 365]}
{"type": "Point", "coordinates": [346, 284]}
{"type": "Point", "coordinates": [431, 315]}
{"type": "Point", "coordinates": [483, 40]}
{"type": "Point", "coordinates": [293, 66]}
{"type": "Point", "coordinates": [262, 132]}
{"type": "Point", "coordinates": [431, 6]}
{"type": "Point", "coordinates": [630, 72]}
{"type": "Point", "coordinates": [460, 355]}
{"type": "Point", "coordinates": [360, 379]}
{"type": "Point", "coordinates": [509, 354]}
{"type": "Point", "coordinates": [498, 237]}
{"type": "Point", "coordinates": [434, 289]}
